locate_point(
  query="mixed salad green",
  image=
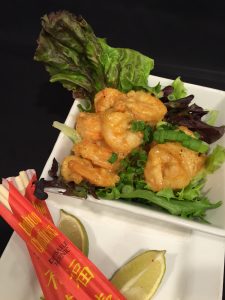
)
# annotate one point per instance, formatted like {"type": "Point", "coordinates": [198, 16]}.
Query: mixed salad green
{"type": "Point", "coordinates": [85, 64]}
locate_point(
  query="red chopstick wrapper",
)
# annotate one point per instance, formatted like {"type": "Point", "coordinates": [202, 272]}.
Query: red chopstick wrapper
{"type": "Point", "coordinates": [51, 288]}
{"type": "Point", "coordinates": [61, 259]}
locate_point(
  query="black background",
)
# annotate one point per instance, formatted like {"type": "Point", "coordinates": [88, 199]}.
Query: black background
{"type": "Point", "coordinates": [185, 38]}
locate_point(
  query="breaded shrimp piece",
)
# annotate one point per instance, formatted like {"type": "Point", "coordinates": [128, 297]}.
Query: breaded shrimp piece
{"type": "Point", "coordinates": [171, 165]}
{"type": "Point", "coordinates": [117, 134]}
{"type": "Point", "coordinates": [95, 175]}
{"type": "Point", "coordinates": [98, 153]}
{"type": "Point", "coordinates": [107, 98]}
{"type": "Point", "coordinates": [88, 125]}
{"type": "Point", "coordinates": [145, 107]}
{"type": "Point", "coordinates": [66, 172]}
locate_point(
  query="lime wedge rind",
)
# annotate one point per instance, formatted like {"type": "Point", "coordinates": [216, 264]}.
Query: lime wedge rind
{"type": "Point", "coordinates": [74, 229]}
{"type": "Point", "coordinates": [140, 277]}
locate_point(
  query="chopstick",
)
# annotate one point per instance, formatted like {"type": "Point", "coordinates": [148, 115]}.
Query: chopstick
{"type": "Point", "coordinates": [48, 293]}
{"type": "Point", "coordinates": [24, 179]}
{"type": "Point", "coordinates": [12, 220]}
{"type": "Point", "coordinates": [80, 276]}
{"type": "Point", "coordinates": [24, 208]}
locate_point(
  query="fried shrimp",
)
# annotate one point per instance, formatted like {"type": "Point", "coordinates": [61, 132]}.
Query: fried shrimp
{"type": "Point", "coordinates": [98, 153]}
{"type": "Point", "coordinates": [88, 125]}
{"type": "Point", "coordinates": [145, 107]}
{"type": "Point", "coordinates": [66, 172]}
{"type": "Point", "coordinates": [117, 134]}
{"type": "Point", "coordinates": [171, 165]}
{"type": "Point", "coordinates": [141, 104]}
{"type": "Point", "coordinates": [95, 175]}
{"type": "Point", "coordinates": [108, 98]}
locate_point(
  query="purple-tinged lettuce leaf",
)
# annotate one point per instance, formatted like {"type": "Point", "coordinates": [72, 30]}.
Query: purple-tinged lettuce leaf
{"type": "Point", "coordinates": [208, 133]}
{"type": "Point", "coordinates": [182, 113]}
{"type": "Point", "coordinates": [53, 172]}
{"type": "Point", "coordinates": [69, 188]}
{"type": "Point", "coordinates": [85, 64]}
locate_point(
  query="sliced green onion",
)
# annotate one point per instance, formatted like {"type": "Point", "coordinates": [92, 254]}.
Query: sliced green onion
{"type": "Point", "coordinates": [162, 136]}
{"type": "Point", "coordinates": [137, 126]}
{"type": "Point", "coordinates": [87, 107]}
{"type": "Point", "coordinates": [148, 135]}
{"type": "Point", "coordinates": [143, 127]}
{"type": "Point", "coordinates": [113, 158]}
{"type": "Point", "coordinates": [196, 145]}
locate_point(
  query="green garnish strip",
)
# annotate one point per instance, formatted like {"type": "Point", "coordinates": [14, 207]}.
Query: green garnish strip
{"type": "Point", "coordinates": [162, 136]}
{"type": "Point", "coordinates": [138, 126]}
{"type": "Point", "coordinates": [70, 132]}
{"type": "Point", "coordinates": [113, 158]}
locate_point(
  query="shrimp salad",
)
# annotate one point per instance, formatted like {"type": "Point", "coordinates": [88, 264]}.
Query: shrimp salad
{"type": "Point", "coordinates": [126, 149]}
{"type": "Point", "coordinates": [132, 142]}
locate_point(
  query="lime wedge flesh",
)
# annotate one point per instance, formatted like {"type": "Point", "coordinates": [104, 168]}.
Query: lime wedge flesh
{"type": "Point", "coordinates": [140, 277]}
{"type": "Point", "coordinates": [72, 227]}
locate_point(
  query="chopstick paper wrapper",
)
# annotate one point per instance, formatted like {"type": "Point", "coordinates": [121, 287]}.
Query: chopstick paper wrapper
{"type": "Point", "coordinates": [51, 289]}
{"type": "Point", "coordinates": [81, 278]}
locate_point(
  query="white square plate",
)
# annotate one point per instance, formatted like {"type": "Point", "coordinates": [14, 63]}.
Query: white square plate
{"type": "Point", "coordinates": [207, 98]}
{"type": "Point", "coordinates": [118, 231]}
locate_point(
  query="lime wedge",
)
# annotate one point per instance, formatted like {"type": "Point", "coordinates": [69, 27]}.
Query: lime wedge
{"type": "Point", "coordinates": [140, 277]}
{"type": "Point", "coordinates": [74, 230]}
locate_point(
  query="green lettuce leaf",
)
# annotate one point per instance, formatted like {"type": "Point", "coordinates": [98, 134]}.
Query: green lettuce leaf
{"type": "Point", "coordinates": [186, 209]}
{"type": "Point", "coordinates": [166, 193]}
{"type": "Point", "coordinates": [211, 117]}
{"type": "Point", "coordinates": [125, 69]}
{"type": "Point", "coordinates": [85, 64]}
{"type": "Point", "coordinates": [156, 90]}
{"type": "Point", "coordinates": [70, 51]}
{"type": "Point", "coordinates": [179, 90]}
{"type": "Point", "coordinates": [194, 189]}
{"type": "Point", "coordinates": [215, 159]}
